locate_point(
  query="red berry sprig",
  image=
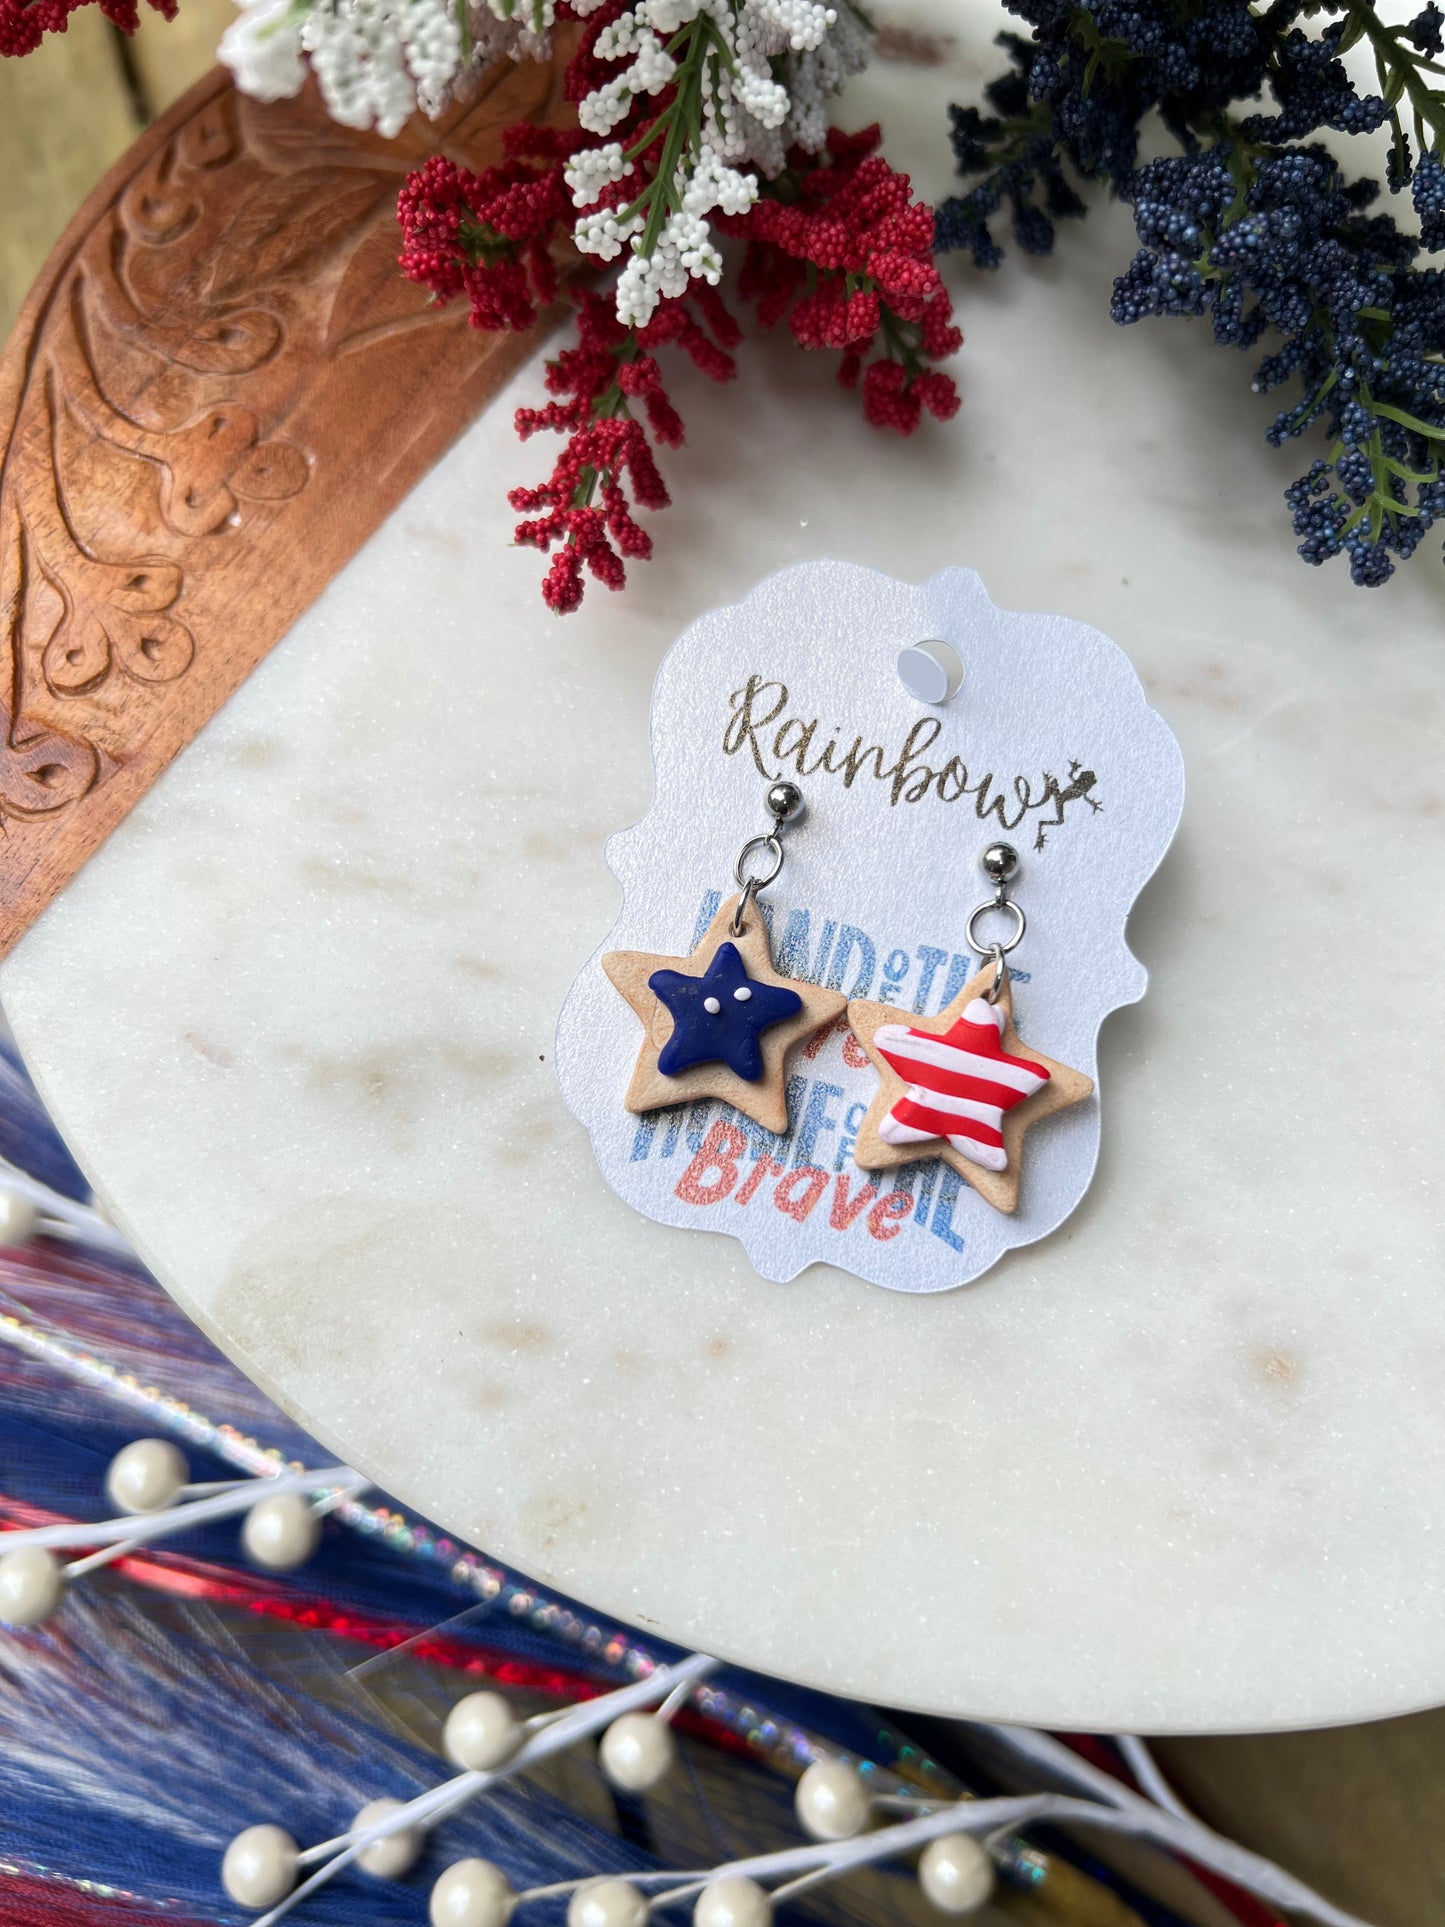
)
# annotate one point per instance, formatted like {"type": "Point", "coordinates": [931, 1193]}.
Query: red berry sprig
{"type": "Point", "coordinates": [25, 23]}
{"type": "Point", "coordinates": [837, 247]}
{"type": "Point", "coordinates": [585, 511]}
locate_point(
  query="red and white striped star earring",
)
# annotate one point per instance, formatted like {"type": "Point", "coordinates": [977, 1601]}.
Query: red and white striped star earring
{"type": "Point", "coordinates": [962, 1086]}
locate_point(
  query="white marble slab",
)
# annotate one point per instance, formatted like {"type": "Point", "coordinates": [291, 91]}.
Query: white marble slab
{"type": "Point", "coordinates": [1180, 1466]}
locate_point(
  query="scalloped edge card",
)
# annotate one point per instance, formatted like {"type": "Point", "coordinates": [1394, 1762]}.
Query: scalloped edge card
{"type": "Point", "coordinates": [1048, 743]}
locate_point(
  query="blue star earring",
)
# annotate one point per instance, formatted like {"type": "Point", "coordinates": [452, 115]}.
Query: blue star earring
{"type": "Point", "coordinates": [720, 1022]}
{"type": "Point", "coordinates": [720, 1017]}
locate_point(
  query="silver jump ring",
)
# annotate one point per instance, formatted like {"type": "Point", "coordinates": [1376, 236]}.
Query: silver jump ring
{"type": "Point", "coordinates": [773, 842]}
{"type": "Point", "coordinates": [1000, 974]}
{"type": "Point", "coordinates": [750, 890]}
{"type": "Point", "coordinates": [988, 949]}
{"type": "Point", "coordinates": [752, 884]}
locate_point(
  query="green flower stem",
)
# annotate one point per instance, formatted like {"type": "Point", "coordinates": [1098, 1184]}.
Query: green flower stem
{"type": "Point", "coordinates": [1401, 69]}
{"type": "Point", "coordinates": [693, 46]}
{"type": "Point", "coordinates": [900, 338]}
{"type": "Point", "coordinates": [608, 406]}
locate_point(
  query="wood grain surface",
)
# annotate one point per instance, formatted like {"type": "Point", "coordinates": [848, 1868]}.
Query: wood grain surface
{"type": "Point", "coordinates": [218, 387]}
{"type": "Point", "coordinates": [69, 110]}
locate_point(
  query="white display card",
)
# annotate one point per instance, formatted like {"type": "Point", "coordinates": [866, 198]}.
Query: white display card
{"type": "Point", "coordinates": [1048, 744]}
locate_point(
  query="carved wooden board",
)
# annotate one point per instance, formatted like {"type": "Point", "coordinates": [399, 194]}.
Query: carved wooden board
{"type": "Point", "coordinates": [216, 390]}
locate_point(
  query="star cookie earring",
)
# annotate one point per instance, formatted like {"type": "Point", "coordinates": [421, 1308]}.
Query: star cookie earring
{"type": "Point", "coordinates": [962, 1086]}
{"type": "Point", "coordinates": [720, 1022]}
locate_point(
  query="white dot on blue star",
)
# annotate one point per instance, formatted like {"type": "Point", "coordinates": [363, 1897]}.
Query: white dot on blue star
{"type": "Point", "coordinates": [719, 1018]}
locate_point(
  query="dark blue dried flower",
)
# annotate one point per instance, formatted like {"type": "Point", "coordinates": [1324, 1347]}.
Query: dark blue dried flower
{"type": "Point", "coordinates": [1251, 222]}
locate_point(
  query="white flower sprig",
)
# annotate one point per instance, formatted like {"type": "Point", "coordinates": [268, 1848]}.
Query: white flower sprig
{"type": "Point", "coordinates": [750, 79]}
{"type": "Point", "coordinates": [377, 62]}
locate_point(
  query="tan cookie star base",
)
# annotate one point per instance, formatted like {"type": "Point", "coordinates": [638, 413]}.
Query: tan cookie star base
{"type": "Point", "coordinates": [765, 1101]}
{"type": "Point", "coordinates": [998, 1188]}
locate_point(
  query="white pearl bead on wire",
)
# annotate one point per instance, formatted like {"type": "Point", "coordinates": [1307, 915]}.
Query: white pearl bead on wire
{"type": "Point", "coordinates": [32, 1585]}
{"type": "Point", "coordinates": [831, 1802]}
{"type": "Point", "coordinates": [146, 1476]}
{"type": "Point", "coordinates": [733, 1901]}
{"type": "Point", "coordinates": [607, 1903]}
{"type": "Point", "coordinates": [281, 1531]}
{"type": "Point", "coordinates": [398, 1853]}
{"type": "Point", "coordinates": [260, 1866]}
{"type": "Point", "coordinates": [638, 1752]}
{"type": "Point", "coordinates": [956, 1874]}
{"type": "Point", "coordinates": [471, 1893]}
{"type": "Point", "coordinates": [19, 1219]}
{"type": "Point", "coordinates": [481, 1732]}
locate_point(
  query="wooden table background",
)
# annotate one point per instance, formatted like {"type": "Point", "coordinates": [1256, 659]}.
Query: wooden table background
{"type": "Point", "coordinates": [72, 107]}
{"type": "Point", "coordinates": [1358, 1811]}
